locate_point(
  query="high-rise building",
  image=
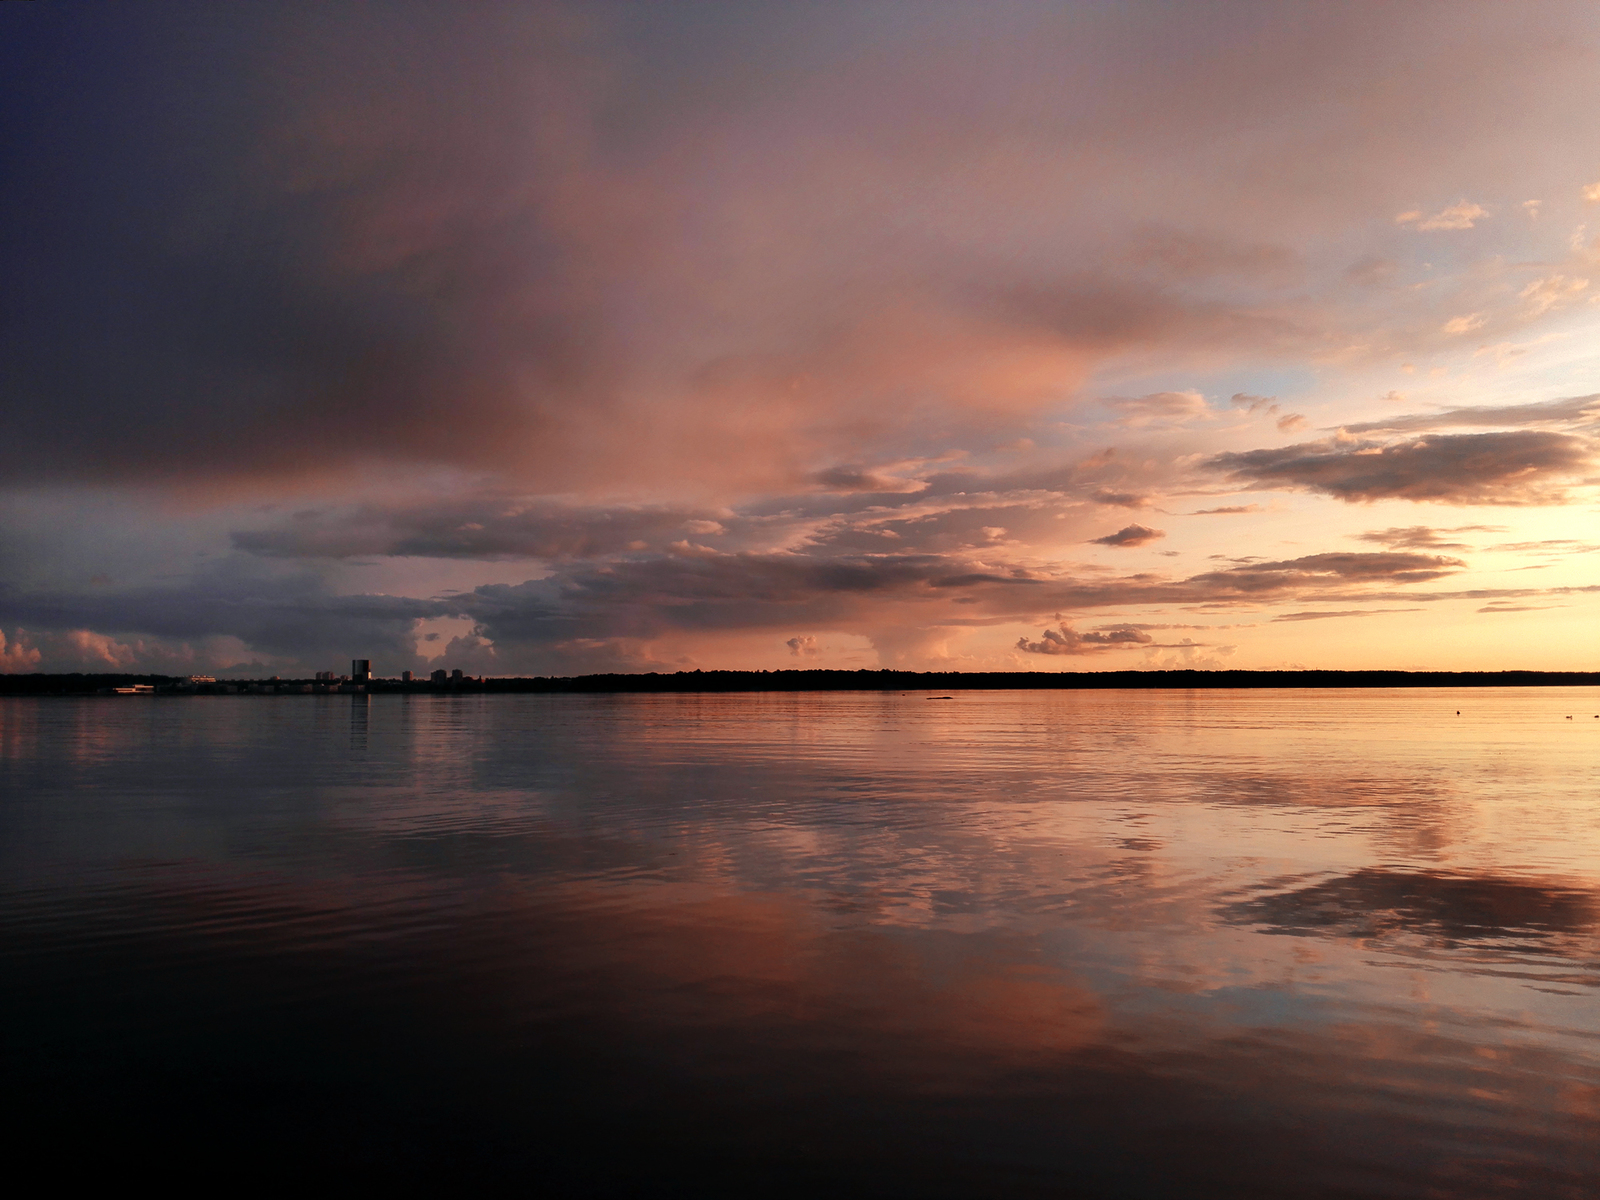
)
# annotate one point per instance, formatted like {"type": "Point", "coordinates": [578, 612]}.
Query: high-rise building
{"type": "Point", "coordinates": [439, 676]}
{"type": "Point", "coordinates": [405, 676]}
{"type": "Point", "coordinates": [455, 676]}
{"type": "Point", "coordinates": [360, 670]}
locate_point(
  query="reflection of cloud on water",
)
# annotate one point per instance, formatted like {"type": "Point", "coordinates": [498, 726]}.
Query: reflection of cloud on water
{"type": "Point", "coordinates": [1354, 791]}
{"type": "Point", "coordinates": [675, 1025]}
{"type": "Point", "coordinates": [1443, 910]}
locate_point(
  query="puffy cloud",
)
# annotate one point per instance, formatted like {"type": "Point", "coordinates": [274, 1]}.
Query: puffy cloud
{"type": "Point", "coordinates": [1251, 403]}
{"type": "Point", "coordinates": [1066, 640]}
{"type": "Point", "coordinates": [1520, 467]}
{"type": "Point", "coordinates": [1464, 324]}
{"type": "Point", "coordinates": [803, 646]}
{"type": "Point", "coordinates": [1461, 215]}
{"type": "Point", "coordinates": [1552, 291]}
{"type": "Point", "coordinates": [1129, 535]}
{"type": "Point", "coordinates": [18, 654]}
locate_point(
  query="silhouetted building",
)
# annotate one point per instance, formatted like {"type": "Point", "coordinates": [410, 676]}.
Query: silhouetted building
{"type": "Point", "coordinates": [439, 676]}
{"type": "Point", "coordinates": [455, 676]}
{"type": "Point", "coordinates": [405, 676]}
{"type": "Point", "coordinates": [360, 670]}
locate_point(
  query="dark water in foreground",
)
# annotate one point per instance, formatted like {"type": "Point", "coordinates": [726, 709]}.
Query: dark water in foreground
{"type": "Point", "coordinates": [1120, 944]}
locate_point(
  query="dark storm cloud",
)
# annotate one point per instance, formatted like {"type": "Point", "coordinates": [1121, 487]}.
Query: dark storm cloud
{"type": "Point", "coordinates": [269, 239]}
{"type": "Point", "coordinates": [296, 617]}
{"type": "Point", "coordinates": [1571, 411]}
{"type": "Point", "coordinates": [1518, 467]}
{"type": "Point", "coordinates": [705, 593]}
{"type": "Point", "coordinates": [598, 245]}
{"type": "Point", "coordinates": [1129, 535]}
{"type": "Point", "coordinates": [587, 615]}
{"type": "Point", "coordinates": [479, 526]}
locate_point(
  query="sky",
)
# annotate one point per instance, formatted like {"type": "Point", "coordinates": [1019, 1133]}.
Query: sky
{"type": "Point", "coordinates": [540, 339]}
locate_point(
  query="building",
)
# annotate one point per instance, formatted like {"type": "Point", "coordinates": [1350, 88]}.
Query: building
{"type": "Point", "coordinates": [455, 676]}
{"type": "Point", "coordinates": [360, 670]}
{"type": "Point", "coordinates": [439, 676]}
{"type": "Point", "coordinates": [405, 676]}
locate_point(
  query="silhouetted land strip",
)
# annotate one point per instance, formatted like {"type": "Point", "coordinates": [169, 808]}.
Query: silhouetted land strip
{"type": "Point", "coordinates": [836, 681]}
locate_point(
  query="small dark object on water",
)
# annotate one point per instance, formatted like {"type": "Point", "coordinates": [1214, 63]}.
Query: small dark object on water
{"type": "Point", "coordinates": [941, 697]}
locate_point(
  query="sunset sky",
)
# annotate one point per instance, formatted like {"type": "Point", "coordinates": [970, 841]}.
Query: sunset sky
{"type": "Point", "coordinates": [547, 339]}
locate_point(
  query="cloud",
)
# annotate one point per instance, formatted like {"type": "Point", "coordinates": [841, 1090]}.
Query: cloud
{"type": "Point", "coordinates": [803, 646]}
{"type": "Point", "coordinates": [1129, 535]}
{"type": "Point", "coordinates": [1571, 410]}
{"type": "Point", "coordinates": [280, 248]}
{"type": "Point", "coordinates": [1422, 537]}
{"type": "Point", "coordinates": [1546, 546]}
{"type": "Point", "coordinates": [480, 525]}
{"type": "Point", "coordinates": [19, 654]}
{"type": "Point", "coordinates": [1483, 468]}
{"type": "Point", "coordinates": [1229, 510]}
{"type": "Point", "coordinates": [1197, 256]}
{"type": "Point", "coordinates": [851, 479]}
{"type": "Point", "coordinates": [215, 618]}
{"type": "Point", "coordinates": [1349, 612]}
{"type": "Point", "coordinates": [1158, 408]}
{"type": "Point", "coordinates": [1461, 215]}
{"type": "Point", "coordinates": [643, 612]}
{"type": "Point", "coordinates": [1277, 576]}
{"type": "Point", "coordinates": [721, 326]}
{"type": "Point", "coordinates": [1553, 291]}
{"type": "Point", "coordinates": [1121, 499]}
{"type": "Point", "coordinates": [1251, 403]}
{"type": "Point", "coordinates": [1065, 640]}
{"type": "Point", "coordinates": [1464, 324]}
{"type": "Point", "coordinates": [1442, 908]}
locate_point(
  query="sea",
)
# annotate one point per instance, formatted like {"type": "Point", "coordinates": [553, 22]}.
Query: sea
{"type": "Point", "coordinates": [1075, 944]}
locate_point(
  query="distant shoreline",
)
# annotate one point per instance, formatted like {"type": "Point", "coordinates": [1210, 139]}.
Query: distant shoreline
{"type": "Point", "coordinates": [804, 681]}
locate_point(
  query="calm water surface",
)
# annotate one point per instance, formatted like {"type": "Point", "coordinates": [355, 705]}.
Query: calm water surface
{"type": "Point", "coordinates": [1119, 944]}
